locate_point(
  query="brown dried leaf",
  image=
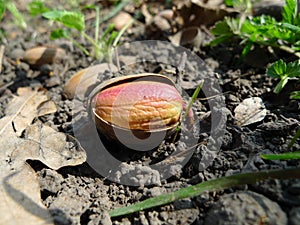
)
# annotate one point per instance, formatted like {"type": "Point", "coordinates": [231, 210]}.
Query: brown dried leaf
{"type": "Point", "coordinates": [52, 147]}
{"type": "Point", "coordinates": [26, 106]}
{"type": "Point", "coordinates": [19, 203]}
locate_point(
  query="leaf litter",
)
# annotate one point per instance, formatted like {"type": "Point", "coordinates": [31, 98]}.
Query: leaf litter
{"type": "Point", "coordinates": [20, 139]}
{"type": "Point", "coordinates": [249, 111]}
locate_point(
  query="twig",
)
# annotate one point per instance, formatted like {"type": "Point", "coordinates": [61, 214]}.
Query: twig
{"type": "Point", "coordinates": [2, 48]}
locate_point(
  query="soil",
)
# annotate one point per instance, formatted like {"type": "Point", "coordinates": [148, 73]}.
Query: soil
{"type": "Point", "coordinates": [79, 195]}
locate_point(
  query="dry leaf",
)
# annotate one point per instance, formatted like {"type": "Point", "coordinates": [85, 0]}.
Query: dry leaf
{"type": "Point", "coordinates": [26, 106]}
{"type": "Point", "coordinates": [19, 203]}
{"type": "Point", "coordinates": [40, 142]}
{"type": "Point", "coordinates": [249, 111]}
{"type": "Point", "coordinates": [52, 148]}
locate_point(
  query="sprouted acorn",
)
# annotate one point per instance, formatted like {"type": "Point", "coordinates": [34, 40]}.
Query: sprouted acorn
{"type": "Point", "coordinates": [141, 104]}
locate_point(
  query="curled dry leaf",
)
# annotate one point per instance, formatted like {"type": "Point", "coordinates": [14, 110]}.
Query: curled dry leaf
{"type": "Point", "coordinates": [42, 55]}
{"type": "Point", "coordinates": [249, 111]}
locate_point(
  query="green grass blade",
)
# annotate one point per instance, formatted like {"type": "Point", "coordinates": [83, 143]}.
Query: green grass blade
{"type": "Point", "coordinates": [297, 135]}
{"type": "Point", "coordinates": [212, 185]}
{"type": "Point", "coordinates": [115, 11]}
{"type": "Point", "coordinates": [122, 31]}
{"type": "Point", "coordinates": [19, 19]}
{"type": "Point", "coordinates": [193, 99]}
{"type": "Point", "coordinates": [283, 156]}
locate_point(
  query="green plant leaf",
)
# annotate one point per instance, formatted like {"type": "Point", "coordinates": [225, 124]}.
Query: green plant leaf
{"type": "Point", "coordinates": [222, 32]}
{"type": "Point", "coordinates": [88, 6]}
{"type": "Point", "coordinates": [58, 33]}
{"type": "Point", "coordinates": [212, 185]}
{"type": "Point", "coordinates": [290, 12]}
{"type": "Point", "coordinates": [277, 69]}
{"type": "Point", "coordinates": [283, 156]}
{"type": "Point", "coordinates": [228, 2]}
{"type": "Point", "coordinates": [295, 95]}
{"type": "Point", "coordinates": [74, 20]}
{"type": "Point", "coordinates": [107, 31]}
{"type": "Point", "coordinates": [37, 7]}
{"type": "Point", "coordinates": [2, 9]}
{"type": "Point", "coordinates": [293, 69]}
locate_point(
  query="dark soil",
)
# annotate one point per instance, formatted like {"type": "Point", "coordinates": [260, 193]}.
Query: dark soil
{"type": "Point", "coordinates": [79, 195]}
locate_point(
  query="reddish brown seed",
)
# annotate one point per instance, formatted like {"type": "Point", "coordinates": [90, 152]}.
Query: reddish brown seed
{"type": "Point", "coordinates": [141, 105]}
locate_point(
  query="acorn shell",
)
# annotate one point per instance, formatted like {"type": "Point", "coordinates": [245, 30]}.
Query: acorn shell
{"type": "Point", "coordinates": [129, 135]}
{"type": "Point", "coordinates": [42, 55]}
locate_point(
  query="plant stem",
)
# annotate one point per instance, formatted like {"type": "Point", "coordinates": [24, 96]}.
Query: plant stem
{"type": "Point", "coordinates": [122, 32]}
{"type": "Point", "coordinates": [95, 44]}
{"type": "Point", "coordinates": [212, 185]}
{"type": "Point", "coordinates": [97, 25]}
{"type": "Point", "coordinates": [281, 84]}
{"type": "Point", "coordinates": [85, 51]}
{"type": "Point", "coordinates": [97, 48]}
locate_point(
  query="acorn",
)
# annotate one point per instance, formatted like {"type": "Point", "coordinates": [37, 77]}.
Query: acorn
{"type": "Point", "coordinates": [80, 81]}
{"type": "Point", "coordinates": [42, 55]}
{"type": "Point", "coordinates": [134, 107]}
{"type": "Point", "coordinates": [121, 20]}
